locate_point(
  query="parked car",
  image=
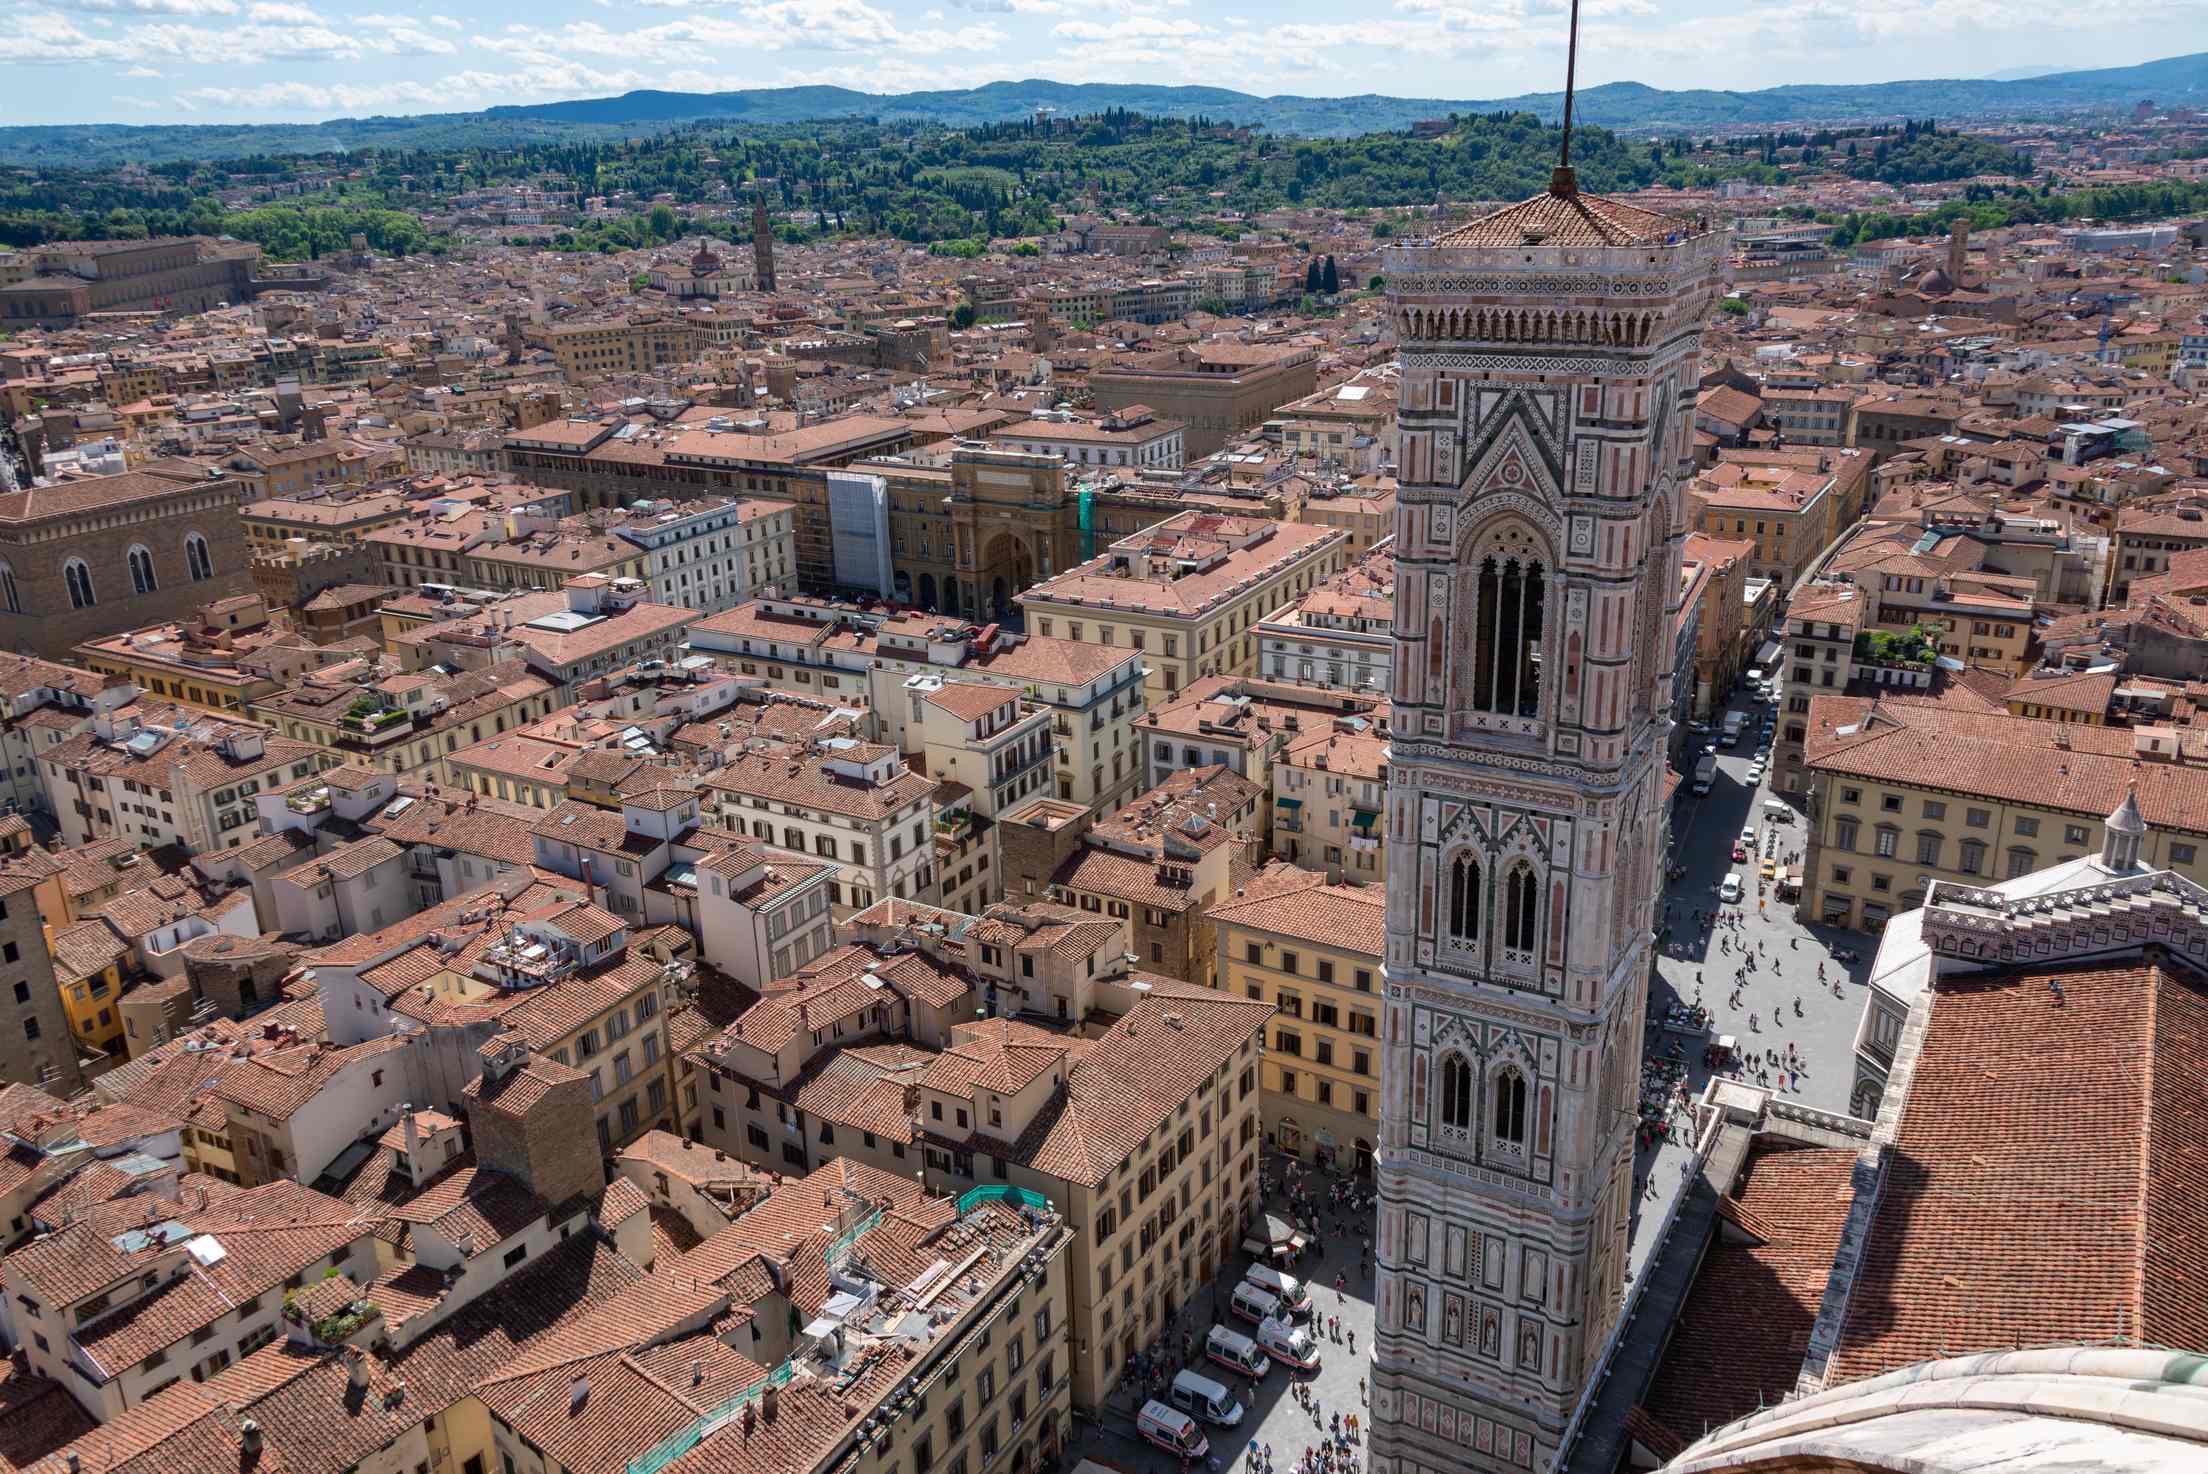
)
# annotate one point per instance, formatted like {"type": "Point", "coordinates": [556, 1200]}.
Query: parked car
{"type": "Point", "coordinates": [1731, 890]}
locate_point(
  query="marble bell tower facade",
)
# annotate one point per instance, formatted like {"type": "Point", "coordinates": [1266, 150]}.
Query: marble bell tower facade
{"type": "Point", "coordinates": [1549, 366]}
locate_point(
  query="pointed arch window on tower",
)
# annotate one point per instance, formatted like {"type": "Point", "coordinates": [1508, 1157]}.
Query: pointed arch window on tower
{"type": "Point", "coordinates": [1464, 899]}
{"type": "Point", "coordinates": [1521, 901]}
{"type": "Point", "coordinates": [1508, 622]}
{"type": "Point", "coordinates": [142, 580]}
{"type": "Point", "coordinates": [1456, 1093]}
{"type": "Point", "coordinates": [1510, 1108]}
{"type": "Point", "coordinates": [78, 579]}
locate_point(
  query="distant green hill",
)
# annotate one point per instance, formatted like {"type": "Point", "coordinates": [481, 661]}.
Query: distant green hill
{"type": "Point", "coordinates": [1622, 105]}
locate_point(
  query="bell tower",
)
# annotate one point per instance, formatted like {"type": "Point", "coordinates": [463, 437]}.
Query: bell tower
{"type": "Point", "coordinates": [1548, 369]}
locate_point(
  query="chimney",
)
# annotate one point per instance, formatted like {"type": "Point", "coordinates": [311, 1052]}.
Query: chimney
{"type": "Point", "coordinates": [356, 1369]}
{"type": "Point", "coordinates": [770, 1402]}
{"type": "Point", "coordinates": [249, 1442]}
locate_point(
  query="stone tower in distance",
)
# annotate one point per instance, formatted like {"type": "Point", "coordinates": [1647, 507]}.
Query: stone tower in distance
{"type": "Point", "coordinates": [1549, 366]}
{"type": "Point", "coordinates": [762, 243]}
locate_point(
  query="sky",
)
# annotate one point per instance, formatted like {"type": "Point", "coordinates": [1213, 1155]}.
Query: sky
{"type": "Point", "coordinates": [83, 61]}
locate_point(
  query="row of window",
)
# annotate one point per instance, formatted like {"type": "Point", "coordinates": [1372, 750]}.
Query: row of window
{"type": "Point", "coordinates": [1292, 964]}
{"type": "Point", "coordinates": [76, 574]}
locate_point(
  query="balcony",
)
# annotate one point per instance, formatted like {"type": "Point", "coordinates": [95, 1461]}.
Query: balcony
{"type": "Point", "coordinates": [375, 725]}
{"type": "Point", "coordinates": [309, 802]}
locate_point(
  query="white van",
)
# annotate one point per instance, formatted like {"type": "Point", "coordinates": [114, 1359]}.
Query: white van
{"type": "Point", "coordinates": [1200, 1397]}
{"type": "Point", "coordinates": [1730, 890]}
{"type": "Point", "coordinates": [1289, 1342]}
{"type": "Point", "coordinates": [1253, 1303]}
{"type": "Point", "coordinates": [1172, 1430]}
{"type": "Point", "coordinates": [1236, 1352]}
{"type": "Point", "coordinates": [1286, 1288]}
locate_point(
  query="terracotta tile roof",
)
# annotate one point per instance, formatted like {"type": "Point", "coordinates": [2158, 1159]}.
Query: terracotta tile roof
{"type": "Point", "coordinates": [1301, 904]}
{"type": "Point", "coordinates": [1000, 1055]}
{"type": "Point", "coordinates": [1994, 755]}
{"type": "Point", "coordinates": [278, 1084]}
{"type": "Point", "coordinates": [545, 1017]}
{"type": "Point", "coordinates": [832, 987]}
{"type": "Point", "coordinates": [2086, 691]}
{"type": "Point", "coordinates": [309, 1424]}
{"type": "Point", "coordinates": [347, 862]}
{"type": "Point", "coordinates": [87, 948]}
{"type": "Point", "coordinates": [2049, 1178]}
{"type": "Point", "coordinates": [1125, 1084]}
{"type": "Point", "coordinates": [1740, 1338]}
{"type": "Point", "coordinates": [37, 1416]}
{"type": "Point", "coordinates": [970, 701]}
{"type": "Point", "coordinates": [1571, 219]}
{"type": "Point", "coordinates": [267, 1234]}
{"type": "Point", "coordinates": [803, 780]}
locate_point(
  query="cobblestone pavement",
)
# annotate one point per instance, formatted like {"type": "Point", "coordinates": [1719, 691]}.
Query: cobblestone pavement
{"type": "Point", "coordinates": [1788, 954]}
{"type": "Point", "coordinates": [1274, 1417]}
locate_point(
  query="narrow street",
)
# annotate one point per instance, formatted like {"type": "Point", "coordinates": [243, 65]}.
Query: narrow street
{"type": "Point", "coordinates": [1692, 968]}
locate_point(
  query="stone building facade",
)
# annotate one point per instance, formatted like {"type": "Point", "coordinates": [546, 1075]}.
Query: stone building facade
{"type": "Point", "coordinates": [1220, 391]}
{"type": "Point", "coordinates": [87, 558]}
{"type": "Point", "coordinates": [70, 280]}
{"type": "Point", "coordinates": [36, 1047]}
{"type": "Point", "coordinates": [530, 1118]}
{"type": "Point", "coordinates": [1548, 383]}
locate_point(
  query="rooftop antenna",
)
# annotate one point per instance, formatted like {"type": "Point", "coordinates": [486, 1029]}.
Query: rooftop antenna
{"type": "Point", "coordinates": [1564, 183]}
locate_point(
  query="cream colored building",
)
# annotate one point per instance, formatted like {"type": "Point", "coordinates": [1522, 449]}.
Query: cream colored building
{"type": "Point", "coordinates": [986, 738]}
{"type": "Point", "coordinates": [1312, 949]}
{"type": "Point", "coordinates": [1905, 792]}
{"type": "Point", "coordinates": [1363, 510]}
{"type": "Point", "coordinates": [838, 652]}
{"type": "Point", "coordinates": [1145, 1139]}
{"type": "Point", "coordinates": [1328, 785]}
{"type": "Point", "coordinates": [1188, 593]}
{"type": "Point", "coordinates": [1789, 504]}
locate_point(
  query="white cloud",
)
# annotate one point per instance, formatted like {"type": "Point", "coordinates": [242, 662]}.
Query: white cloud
{"type": "Point", "coordinates": [322, 98]}
{"type": "Point", "coordinates": [1130, 28]}
{"type": "Point", "coordinates": [275, 31]}
{"type": "Point", "coordinates": [161, 7]}
{"type": "Point", "coordinates": [143, 71]}
{"type": "Point", "coordinates": [539, 82]}
{"type": "Point", "coordinates": [397, 35]}
{"type": "Point", "coordinates": [43, 38]}
{"type": "Point", "coordinates": [770, 25]}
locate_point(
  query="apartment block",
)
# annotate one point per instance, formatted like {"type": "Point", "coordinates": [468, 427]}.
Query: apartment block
{"type": "Point", "coordinates": [1311, 948]}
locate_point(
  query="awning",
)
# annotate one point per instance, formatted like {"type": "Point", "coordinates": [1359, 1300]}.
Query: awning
{"type": "Point", "coordinates": [1287, 803]}
{"type": "Point", "coordinates": [1364, 818]}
